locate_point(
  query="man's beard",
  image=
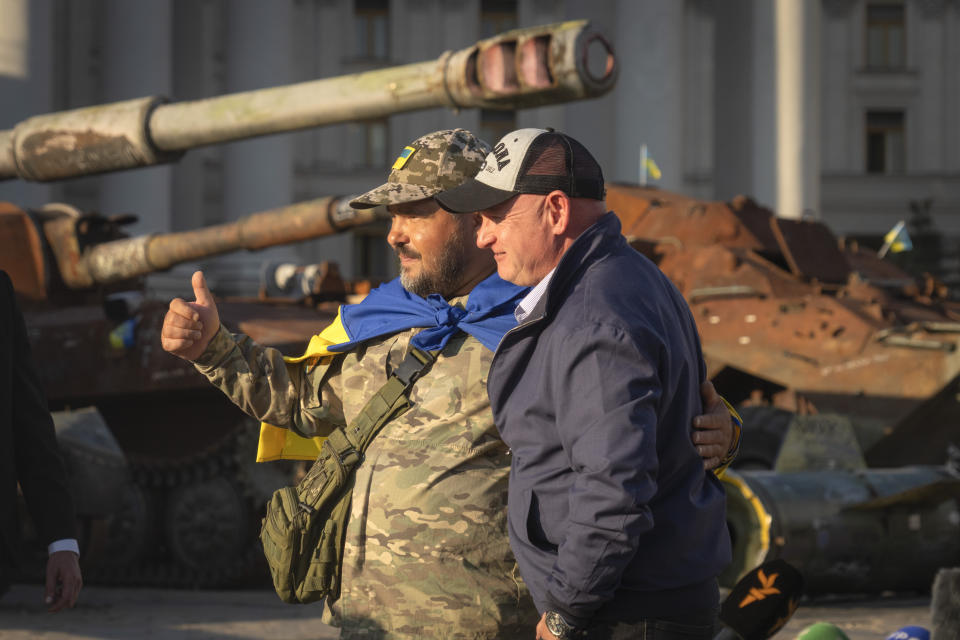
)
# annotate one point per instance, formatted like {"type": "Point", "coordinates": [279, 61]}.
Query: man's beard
{"type": "Point", "coordinates": [445, 276]}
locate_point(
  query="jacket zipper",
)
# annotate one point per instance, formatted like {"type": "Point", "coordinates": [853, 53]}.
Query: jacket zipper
{"type": "Point", "coordinates": [516, 328]}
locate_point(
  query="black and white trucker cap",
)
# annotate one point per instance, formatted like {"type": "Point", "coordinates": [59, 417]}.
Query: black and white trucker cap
{"type": "Point", "coordinates": [535, 161]}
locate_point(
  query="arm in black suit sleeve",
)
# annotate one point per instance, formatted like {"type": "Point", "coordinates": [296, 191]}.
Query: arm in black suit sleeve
{"type": "Point", "coordinates": [40, 468]}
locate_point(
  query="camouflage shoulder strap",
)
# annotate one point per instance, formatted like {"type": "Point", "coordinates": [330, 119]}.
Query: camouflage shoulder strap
{"type": "Point", "coordinates": [387, 403]}
{"type": "Point", "coordinates": [303, 531]}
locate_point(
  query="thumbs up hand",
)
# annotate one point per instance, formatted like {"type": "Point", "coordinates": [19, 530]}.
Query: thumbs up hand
{"type": "Point", "coordinates": [189, 327]}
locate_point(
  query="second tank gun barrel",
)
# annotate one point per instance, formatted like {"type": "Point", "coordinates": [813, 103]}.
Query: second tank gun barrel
{"type": "Point", "coordinates": [132, 257]}
{"type": "Point", "coordinates": [523, 68]}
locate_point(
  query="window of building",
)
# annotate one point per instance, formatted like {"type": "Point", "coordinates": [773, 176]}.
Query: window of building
{"type": "Point", "coordinates": [496, 16]}
{"type": "Point", "coordinates": [885, 148]}
{"type": "Point", "coordinates": [885, 35]}
{"type": "Point", "coordinates": [371, 20]}
{"type": "Point", "coordinates": [367, 144]}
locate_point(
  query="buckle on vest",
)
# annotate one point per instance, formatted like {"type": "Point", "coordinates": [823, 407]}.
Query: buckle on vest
{"type": "Point", "coordinates": [413, 366]}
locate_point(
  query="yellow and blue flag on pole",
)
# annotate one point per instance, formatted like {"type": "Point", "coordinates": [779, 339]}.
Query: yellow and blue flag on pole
{"type": "Point", "coordinates": [897, 239]}
{"type": "Point", "coordinates": [653, 169]}
{"type": "Point", "coordinates": [647, 167]}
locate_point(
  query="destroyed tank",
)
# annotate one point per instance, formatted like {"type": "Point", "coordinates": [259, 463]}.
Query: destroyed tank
{"type": "Point", "coordinates": [183, 494]}
{"type": "Point", "coordinates": [794, 321]}
{"type": "Point", "coordinates": [161, 463]}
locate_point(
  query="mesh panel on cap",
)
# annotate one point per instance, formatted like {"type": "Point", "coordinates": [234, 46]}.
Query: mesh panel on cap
{"type": "Point", "coordinates": [557, 161]}
{"type": "Point", "coordinates": [549, 160]}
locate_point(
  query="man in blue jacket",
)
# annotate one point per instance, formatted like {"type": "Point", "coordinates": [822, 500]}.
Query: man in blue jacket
{"type": "Point", "coordinates": [618, 530]}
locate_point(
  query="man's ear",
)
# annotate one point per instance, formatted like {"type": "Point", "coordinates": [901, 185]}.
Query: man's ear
{"type": "Point", "coordinates": [558, 212]}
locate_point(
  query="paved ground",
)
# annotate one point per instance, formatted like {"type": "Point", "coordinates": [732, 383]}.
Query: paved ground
{"type": "Point", "coordinates": [166, 614]}
{"type": "Point", "coordinates": [159, 614]}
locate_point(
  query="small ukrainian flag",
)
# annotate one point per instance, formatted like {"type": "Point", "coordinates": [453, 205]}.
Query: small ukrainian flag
{"type": "Point", "coordinates": [653, 169]}
{"type": "Point", "coordinates": [647, 167]}
{"type": "Point", "coordinates": [402, 158]}
{"type": "Point", "coordinates": [897, 239]}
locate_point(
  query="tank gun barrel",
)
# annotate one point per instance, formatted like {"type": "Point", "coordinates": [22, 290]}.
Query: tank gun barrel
{"type": "Point", "coordinates": [846, 531]}
{"type": "Point", "coordinates": [518, 69]}
{"type": "Point", "coordinates": [131, 257]}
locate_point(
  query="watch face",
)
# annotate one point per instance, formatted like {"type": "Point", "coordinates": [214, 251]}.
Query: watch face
{"type": "Point", "coordinates": [557, 625]}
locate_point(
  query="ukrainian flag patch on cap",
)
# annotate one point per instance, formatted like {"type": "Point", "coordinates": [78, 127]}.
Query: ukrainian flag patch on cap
{"type": "Point", "coordinates": [402, 158]}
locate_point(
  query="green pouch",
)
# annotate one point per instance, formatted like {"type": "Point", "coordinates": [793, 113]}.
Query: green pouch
{"type": "Point", "coordinates": [303, 531]}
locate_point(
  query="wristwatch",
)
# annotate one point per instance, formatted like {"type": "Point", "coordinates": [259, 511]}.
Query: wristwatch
{"type": "Point", "coordinates": [560, 627]}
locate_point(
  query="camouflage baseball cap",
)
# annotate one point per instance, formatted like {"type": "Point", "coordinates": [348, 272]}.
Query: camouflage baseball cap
{"type": "Point", "coordinates": [430, 164]}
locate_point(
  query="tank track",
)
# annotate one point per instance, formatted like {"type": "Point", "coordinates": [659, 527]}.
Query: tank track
{"type": "Point", "coordinates": [193, 523]}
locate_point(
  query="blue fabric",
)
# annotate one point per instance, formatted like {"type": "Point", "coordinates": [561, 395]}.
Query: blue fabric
{"type": "Point", "coordinates": [390, 308]}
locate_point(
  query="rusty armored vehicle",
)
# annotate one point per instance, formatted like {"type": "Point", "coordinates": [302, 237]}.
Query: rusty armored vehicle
{"type": "Point", "coordinates": [163, 465]}
{"type": "Point", "coordinates": [795, 321]}
{"type": "Point", "coordinates": [160, 462]}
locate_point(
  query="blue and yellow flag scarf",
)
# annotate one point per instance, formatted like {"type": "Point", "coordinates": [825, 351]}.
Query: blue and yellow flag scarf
{"type": "Point", "coordinates": [390, 309]}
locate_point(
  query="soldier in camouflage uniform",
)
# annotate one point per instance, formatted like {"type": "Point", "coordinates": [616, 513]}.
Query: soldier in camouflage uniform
{"type": "Point", "coordinates": [426, 552]}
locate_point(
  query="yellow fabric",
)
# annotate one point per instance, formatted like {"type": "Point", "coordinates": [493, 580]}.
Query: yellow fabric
{"type": "Point", "coordinates": [653, 169]}
{"type": "Point", "coordinates": [737, 420]}
{"type": "Point", "coordinates": [402, 158]}
{"type": "Point", "coordinates": [277, 443]}
{"type": "Point", "coordinates": [721, 469]}
{"type": "Point", "coordinates": [898, 239]}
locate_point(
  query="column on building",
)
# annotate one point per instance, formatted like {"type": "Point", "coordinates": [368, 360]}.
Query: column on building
{"type": "Point", "coordinates": [198, 31]}
{"type": "Point", "coordinates": [797, 29]}
{"type": "Point", "coordinates": [409, 17]}
{"type": "Point", "coordinates": [764, 105]}
{"type": "Point", "coordinates": [734, 116]}
{"type": "Point", "coordinates": [320, 33]}
{"type": "Point", "coordinates": [843, 108]}
{"type": "Point", "coordinates": [929, 144]}
{"type": "Point", "coordinates": [932, 145]}
{"type": "Point", "coordinates": [841, 123]}
{"type": "Point", "coordinates": [531, 13]}
{"type": "Point", "coordinates": [458, 27]}
{"type": "Point", "coordinates": [649, 96]}
{"type": "Point", "coordinates": [26, 69]}
{"type": "Point", "coordinates": [257, 173]}
{"type": "Point", "coordinates": [951, 74]}
{"type": "Point", "coordinates": [699, 98]}
{"type": "Point", "coordinates": [745, 102]}
{"type": "Point", "coordinates": [137, 61]}
{"type": "Point", "coordinates": [452, 26]}
{"type": "Point", "coordinates": [594, 122]}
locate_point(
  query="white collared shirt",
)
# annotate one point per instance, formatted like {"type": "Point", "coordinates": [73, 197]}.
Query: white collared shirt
{"type": "Point", "coordinates": [66, 544]}
{"type": "Point", "coordinates": [526, 306]}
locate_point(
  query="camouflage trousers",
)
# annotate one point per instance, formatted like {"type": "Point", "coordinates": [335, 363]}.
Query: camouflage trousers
{"type": "Point", "coordinates": [415, 610]}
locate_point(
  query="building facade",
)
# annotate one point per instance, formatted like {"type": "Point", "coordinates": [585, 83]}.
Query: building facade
{"type": "Point", "coordinates": [845, 110]}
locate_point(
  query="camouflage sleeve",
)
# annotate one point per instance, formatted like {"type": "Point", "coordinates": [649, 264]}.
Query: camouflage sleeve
{"type": "Point", "coordinates": [297, 396]}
